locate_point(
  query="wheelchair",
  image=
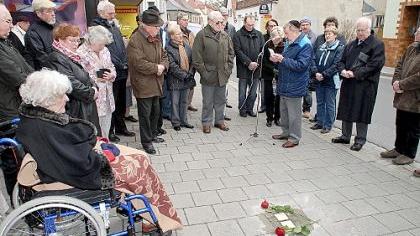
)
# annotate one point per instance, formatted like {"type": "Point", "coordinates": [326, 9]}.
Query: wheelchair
{"type": "Point", "coordinates": [72, 211]}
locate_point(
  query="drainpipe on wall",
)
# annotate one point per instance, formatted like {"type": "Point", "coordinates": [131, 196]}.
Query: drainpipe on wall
{"type": "Point", "coordinates": [90, 6]}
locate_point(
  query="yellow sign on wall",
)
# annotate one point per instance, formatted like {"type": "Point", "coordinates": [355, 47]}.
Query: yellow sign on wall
{"type": "Point", "coordinates": [126, 15]}
{"type": "Point", "coordinates": [264, 20]}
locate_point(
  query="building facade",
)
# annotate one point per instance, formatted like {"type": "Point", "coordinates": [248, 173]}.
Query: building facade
{"type": "Point", "coordinates": [402, 18]}
{"type": "Point", "coordinates": [285, 10]}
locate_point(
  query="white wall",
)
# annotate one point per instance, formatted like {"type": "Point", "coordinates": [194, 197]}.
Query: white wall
{"type": "Point", "coordinates": [160, 4]}
{"type": "Point", "coordinates": [240, 15]}
{"type": "Point", "coordinates": [317, 10]}
{"type": "Point", "coordinates": [391, 18]}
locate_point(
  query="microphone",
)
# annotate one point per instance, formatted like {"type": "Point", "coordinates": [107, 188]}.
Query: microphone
{"type": "Point", "coordinates": [262, 55]}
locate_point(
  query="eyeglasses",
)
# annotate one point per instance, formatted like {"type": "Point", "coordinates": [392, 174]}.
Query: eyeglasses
{"type": "Point", "coordinates": [8, 21]}
{"type": "Point", "coordinates": [48, 10]}
{"type": "Point", "coordinates": [361, 30]}
{"type": "Point", "coordinates": [74, 40]}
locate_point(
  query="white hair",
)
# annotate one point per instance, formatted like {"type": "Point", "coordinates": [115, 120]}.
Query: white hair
{"type": "Point", "coordinates": [277, 31]}
{"type": "Point", "coordinates": [173, 29]}
{"type": "Point", "coordinates": [42, 88]}
{"type": "Point", "coordinates": [99, 34]}
{"type": "Point", "coordinates": [214, 15]}
{"type": "Point", "coordinates": [103, 5]}
{"type": "Point", "coordinates": [3, 10]}
{"type": "Point", "coordinates": [364, 21]}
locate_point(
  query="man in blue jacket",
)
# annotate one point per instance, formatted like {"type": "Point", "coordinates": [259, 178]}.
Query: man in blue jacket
{"type": "Point", "coordinates": [293, 79]}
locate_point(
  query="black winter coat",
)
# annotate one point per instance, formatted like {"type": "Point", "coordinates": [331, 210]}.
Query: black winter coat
{"type": "Point", "coordinates": [63, 149]}
{"type": "Point", "coordinates": [267, 65]}
{"type": "Point", "coordinates": [116, 48]}
{"type": "Point", "coordinates": [247, 46]}
{"type": "Point", "coordinates": [38, 43]}
{"type": "Point", "coordinates": [82, 104]}
{"type": "Point", "coordinates": [178, 78]}
{"type": "Point", "coordinates": [358, 95]}
{"type": "Point", "coordinates": [13, 72]}
{"type": "Point", "coordinates": [14, 39]}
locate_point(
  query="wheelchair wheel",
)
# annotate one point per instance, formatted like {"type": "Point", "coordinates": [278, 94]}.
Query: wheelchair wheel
{"type": "Point", "coordinates": [15, 197]}
{"type": "Point", "coordinates": [53, 215]}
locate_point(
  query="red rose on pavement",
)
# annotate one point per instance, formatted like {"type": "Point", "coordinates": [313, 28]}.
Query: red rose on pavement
{"type": "Point", "coordinates": [264, 204]}
{"type": "Point", "coordinates": [280, 231]}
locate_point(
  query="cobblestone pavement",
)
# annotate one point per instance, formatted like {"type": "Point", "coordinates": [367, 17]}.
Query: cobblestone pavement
{"type": "Point", "coordinates": [217, 184]}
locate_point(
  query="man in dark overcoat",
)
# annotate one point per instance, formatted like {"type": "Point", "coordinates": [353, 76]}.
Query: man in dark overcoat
{"type": "Point", "coordinates": [360, 69]}
{"type": "Point", "coordinates": [13, 72]}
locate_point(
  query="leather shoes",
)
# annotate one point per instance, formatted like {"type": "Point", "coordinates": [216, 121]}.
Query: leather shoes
{"type": "Point", "coordinates": [191, 108]}
{"type": "Point", "coordinates": [277, 122]}
{"type": "Point", "coordinates": [289, 144]}
{"type": "Point", "coordinates": [316, 126]}
{"type": "Point", "coordinates": [131, 119]}
{"type": "Point", "coordinates": [251, 113]}
{"type": "Point", "coordinates": [243, 114]}
{"type": "Point", "coordinates": [113, 138]}
{"type": "Point", "coordinates": [158, 140]}
{"type": "Point", "coordinates": [188, 126]}
{"type": "Point", "coordinates": [148, 148]}
{"type": "Point", "coordinates": [261, 111]}
{"type": "Point", "coordinates": [206, 129]}
{"type": "Point", "coordinates": [325, 131]}
{"type": "Point", "coordinates": [356, 147]}
{"type": "Point", "coordinates": [222, 127]}
{"type": "Point", "coordinates": [280, 137]}
{"type": "Point", "coordinates": [227, 118]}
{"type": "Point", "coordinates": [177, 128]}
{"type": "Point", "coordinates": [228, 105]}
{"type": "Point", "coordinates": [160, 131]}
{"type": "Point", "coordinates": [125, 133]}
{"type": "Point", "coordinates": [269, 123]}
{"type": "Point", "coordinates": [340, 140]}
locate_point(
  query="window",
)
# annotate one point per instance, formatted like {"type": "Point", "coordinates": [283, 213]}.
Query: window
{"type": "Point", "coordinates": [150, 4]}
{"type": "Point", "coordinates": [418, 19]}
{"type": "Point", "coordinates": [379, 21]}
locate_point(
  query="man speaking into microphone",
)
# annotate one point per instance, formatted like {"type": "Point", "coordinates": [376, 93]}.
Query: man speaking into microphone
{"type": "Point", "coordinates": [293, 77]}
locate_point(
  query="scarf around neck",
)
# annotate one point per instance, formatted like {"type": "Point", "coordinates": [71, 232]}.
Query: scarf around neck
{"type": "Point", "coordinates": [185, 65]}
{"type": "Point", "coordinates": [72, 55]}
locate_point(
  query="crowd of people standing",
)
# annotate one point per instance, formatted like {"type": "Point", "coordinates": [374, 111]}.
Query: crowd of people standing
{"type": "Point", "coordinates": [161, 59]}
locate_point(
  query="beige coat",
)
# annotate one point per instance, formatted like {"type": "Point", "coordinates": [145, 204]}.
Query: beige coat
{"type": "Point", "coordinates": [408, 73]}
{"type": "Point", "coordinates": [143, 60]}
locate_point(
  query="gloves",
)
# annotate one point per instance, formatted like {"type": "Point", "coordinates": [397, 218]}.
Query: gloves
{"type": "Point", "coordinates": [109, 155]}
{"type": "Point", "coordinates": [110, 147]}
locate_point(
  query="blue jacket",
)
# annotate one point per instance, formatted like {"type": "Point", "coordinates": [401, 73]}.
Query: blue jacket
{"type": "Point", "coordinates": [326, 61]}
{"type": "Point", "coordinates": [293, 74]}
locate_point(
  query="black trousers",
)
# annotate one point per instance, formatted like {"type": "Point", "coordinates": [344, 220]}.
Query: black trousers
{"type": "Point", "coordinates": [361, 131]}
{"type": "Point", "coordinates": [149, 111]}
{"type": "Point", "coordinates": [10, 167]}
{"type": "Point", "coordinates": [407, 132]}
{"type": "Point", "coordinates": [117, 121]}
{"type": "Point", "coordinates": [307, 101]}
{"type": "Point", "coordinates": [272, 108]}
{"type": "Point", "coordinates": [160, 119]}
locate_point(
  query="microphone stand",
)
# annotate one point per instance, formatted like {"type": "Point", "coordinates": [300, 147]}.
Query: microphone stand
{"type": "Point", "coordinates": [260, 55]}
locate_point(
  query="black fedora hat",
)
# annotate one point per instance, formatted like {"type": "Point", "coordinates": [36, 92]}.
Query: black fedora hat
{"type": "Point", "coordinates": [151, 18]}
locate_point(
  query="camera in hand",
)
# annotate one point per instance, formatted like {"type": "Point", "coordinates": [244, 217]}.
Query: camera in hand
{"type": "Point", "coordinates": [100, 73]}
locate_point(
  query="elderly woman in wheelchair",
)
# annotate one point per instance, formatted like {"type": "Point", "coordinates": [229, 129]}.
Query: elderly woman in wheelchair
{"type": "Point", "coordinates": [64, 154]}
